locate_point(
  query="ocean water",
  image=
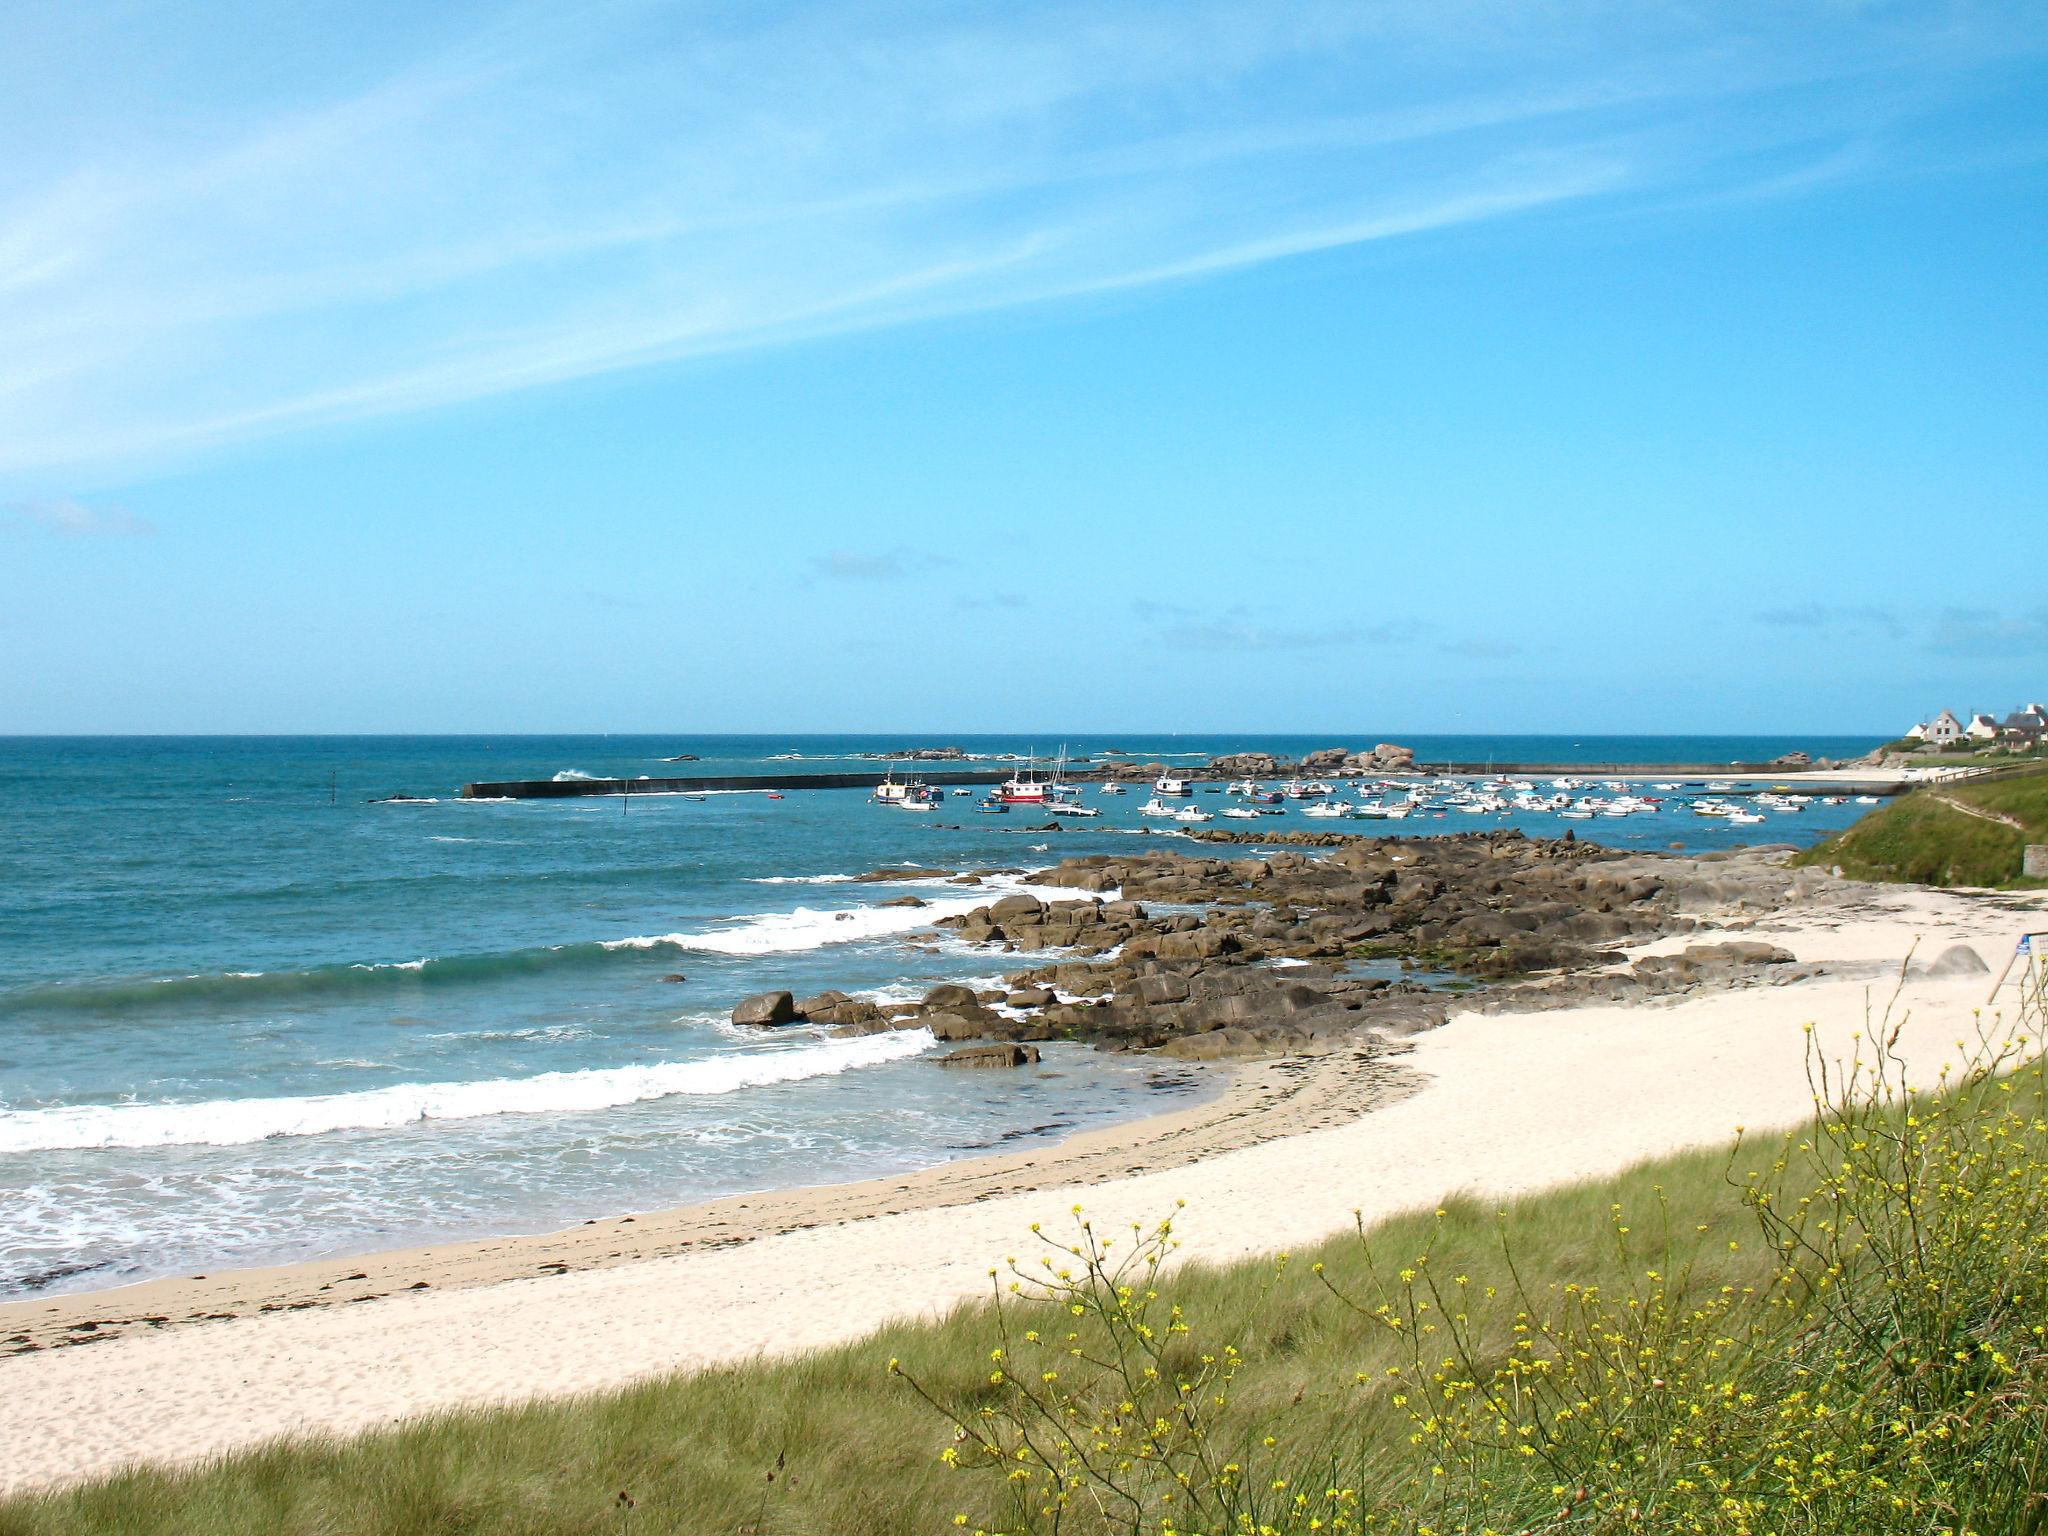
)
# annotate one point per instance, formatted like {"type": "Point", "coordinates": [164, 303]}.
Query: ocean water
{"type": "Point", "coordinates": [252, 1011]}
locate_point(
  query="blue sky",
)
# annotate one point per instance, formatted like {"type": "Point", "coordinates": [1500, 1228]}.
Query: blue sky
{"type": "Point", "coordinates": [1369, 366]}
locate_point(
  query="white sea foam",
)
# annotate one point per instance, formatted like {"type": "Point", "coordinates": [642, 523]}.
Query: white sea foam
{"type": "Point", "coordinates": [803, 880]}
{"type": "Point", "coordinates": [786, 933]}
{"type": "Point", "coordinates": [571, 775]}
{"type": "Point", "coordinates": [232, 1122]}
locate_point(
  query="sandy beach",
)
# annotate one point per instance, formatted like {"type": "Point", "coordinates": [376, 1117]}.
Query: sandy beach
{"type": "Point", "coordinates": [1491, 1103]}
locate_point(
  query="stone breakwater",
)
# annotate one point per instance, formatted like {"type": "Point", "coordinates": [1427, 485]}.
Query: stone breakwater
{"type": "Point", "coordinates": [1268, 962]}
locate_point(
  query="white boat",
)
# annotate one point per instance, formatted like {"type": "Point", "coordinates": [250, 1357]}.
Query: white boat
{"type": "Point", "coordinates": [1743, 818]}
{"type": "Point", "coordinates": [1071, 808]}
{"type": "Point", "coordinates": [1170, 786]}
{"type": "Point", "coordinates": [890, 792]}
{"type": "Point", "coordinates": [1866, 799]}
{"type": "Point", "coordinates": [1244, 787]}
{"type": "Point", "coordinates": [1157, 807]}
{"type": "Point", "coordinates": [1328, 809]}
{"type": "Point", "coordinates": [1192, 813]}
{"type": "Point", "coordinates": [1109, 787]}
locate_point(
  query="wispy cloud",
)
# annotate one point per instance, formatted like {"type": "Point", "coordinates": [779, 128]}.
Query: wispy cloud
{"type": "Point", "coordinates": [1970, 633]}
{"type": "Point", "coordinates": [877, 566]}
{"type": "Point", "coordinates": [1477, 649]}
{"type": "Point", "coordinates": [1244, 627]}
{"type": "Point", "coordinates": [1227, 635]}
{"type": "Point", "coordinates": [566, 192]}
{"type": "Point", "coordinates": [69, 519]}
{"type": "Point", "coordinates": [1836, 617]}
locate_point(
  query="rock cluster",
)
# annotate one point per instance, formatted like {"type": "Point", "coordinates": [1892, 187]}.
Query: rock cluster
{"type": "Point", "coordinates": [1326, 763]}
{"type": "Point", "coordinates": [1263, 956]}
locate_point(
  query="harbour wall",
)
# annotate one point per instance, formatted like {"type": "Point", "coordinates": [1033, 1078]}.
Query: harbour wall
{"type": "Point", "coordinates": [569, 789]}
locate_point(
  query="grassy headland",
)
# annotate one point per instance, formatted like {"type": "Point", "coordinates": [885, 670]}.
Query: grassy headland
{"type": "Point", "coordinates": [1970, 833]}
{"type": "Point", "coordinates": [1842, 1330]}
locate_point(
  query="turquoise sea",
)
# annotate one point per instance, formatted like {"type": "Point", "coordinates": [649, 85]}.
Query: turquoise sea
{"type": "Point", "coordinates": [251, 1010]}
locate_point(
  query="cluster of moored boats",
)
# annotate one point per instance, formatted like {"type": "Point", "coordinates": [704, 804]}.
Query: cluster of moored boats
{"type": "Point", "coordinates": [1568, 798]}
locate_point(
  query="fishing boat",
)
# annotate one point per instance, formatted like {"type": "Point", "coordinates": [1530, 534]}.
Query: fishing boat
{"type": "Point", "coordinates": [1244, 787]}
{"type": "Point", "coordinates": [992, 807]}
{"type": "Point", "coordinates": [1158, 808]}
{"type": "Point", "coordinates": [1026, 788]}
{"type": "Point", "coordinates": [1328, 809]}
{"type": "Point", "coordinates": [1109, 787]}
{"type": "Point", "coordinates": [1072, 808]}
{"type": "Point", "coordinates": [1192, 813]}
{"type": "Point", "coordinates": [1169, 786]}
{"type": "Point", "coordinates": [892, 792]}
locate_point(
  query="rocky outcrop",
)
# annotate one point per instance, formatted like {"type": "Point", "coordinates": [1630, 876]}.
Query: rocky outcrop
{"type": "Point", "coordinates": [766, 1008]}
{"type": "Point", "coordinates": [1006, 1053]}
{"type": "Point", "coordinates": [1325, 763]}
{"type": "Point", "coordinates": [1326, 938]}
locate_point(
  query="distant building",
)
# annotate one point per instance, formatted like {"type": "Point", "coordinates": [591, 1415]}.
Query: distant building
{"type": "Point", "coordinates": [1981, 728]}
{"type": "Point", "coordinates": [1941, 730]}
{"type": "Point", "coordinates": [2028, 726]}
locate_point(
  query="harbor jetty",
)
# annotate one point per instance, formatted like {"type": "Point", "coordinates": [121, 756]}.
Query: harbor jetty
{"type": "Point", "coordinates": [1750, 775]}
{"type": "Point", "coordinates": [567, 789]}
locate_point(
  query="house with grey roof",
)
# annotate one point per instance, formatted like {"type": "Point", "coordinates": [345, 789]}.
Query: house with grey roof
{"type": "Point", "coordinates": [2029, 724]}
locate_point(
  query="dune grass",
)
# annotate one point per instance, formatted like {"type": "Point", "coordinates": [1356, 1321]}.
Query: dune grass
{"type": "Point", "coordinates": [1383, 1381]}
{"type": "Point", "coordinates": [1923, 838]}
{"type": "Point", "coordinates": [826, 1443]}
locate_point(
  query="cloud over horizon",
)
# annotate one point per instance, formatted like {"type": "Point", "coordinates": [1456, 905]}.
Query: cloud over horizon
{"type": "Point", "coordinates": [67, 518]}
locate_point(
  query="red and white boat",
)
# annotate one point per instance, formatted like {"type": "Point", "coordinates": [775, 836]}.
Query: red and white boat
{"type": "Point", "coordinates": [1026, 788]}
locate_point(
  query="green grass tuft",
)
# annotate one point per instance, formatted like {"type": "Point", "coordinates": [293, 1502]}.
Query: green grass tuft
{"type": "Point", "coordinates": [1921, 838]}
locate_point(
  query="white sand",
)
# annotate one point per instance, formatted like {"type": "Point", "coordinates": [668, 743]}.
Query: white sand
{"type": "Point", "coordinates": [1514, 1103]}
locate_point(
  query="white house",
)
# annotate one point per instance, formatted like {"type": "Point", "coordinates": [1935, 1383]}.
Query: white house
{"type": "Point", "coordinates": [1941, 730]}
{"type": "Point", "coordinates": [1981, 728]}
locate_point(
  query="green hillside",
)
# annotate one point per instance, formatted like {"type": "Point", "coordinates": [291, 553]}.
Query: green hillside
{"type": "Point", "coordinates": [1971, 833]}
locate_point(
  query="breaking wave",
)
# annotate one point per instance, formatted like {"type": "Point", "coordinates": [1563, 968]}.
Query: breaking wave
{"type": "Point", "coordinates": [232, 1122]}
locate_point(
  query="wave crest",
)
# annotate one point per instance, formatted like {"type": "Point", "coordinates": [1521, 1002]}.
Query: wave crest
{"type": "Point", "coordinates": [233, 1122]}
